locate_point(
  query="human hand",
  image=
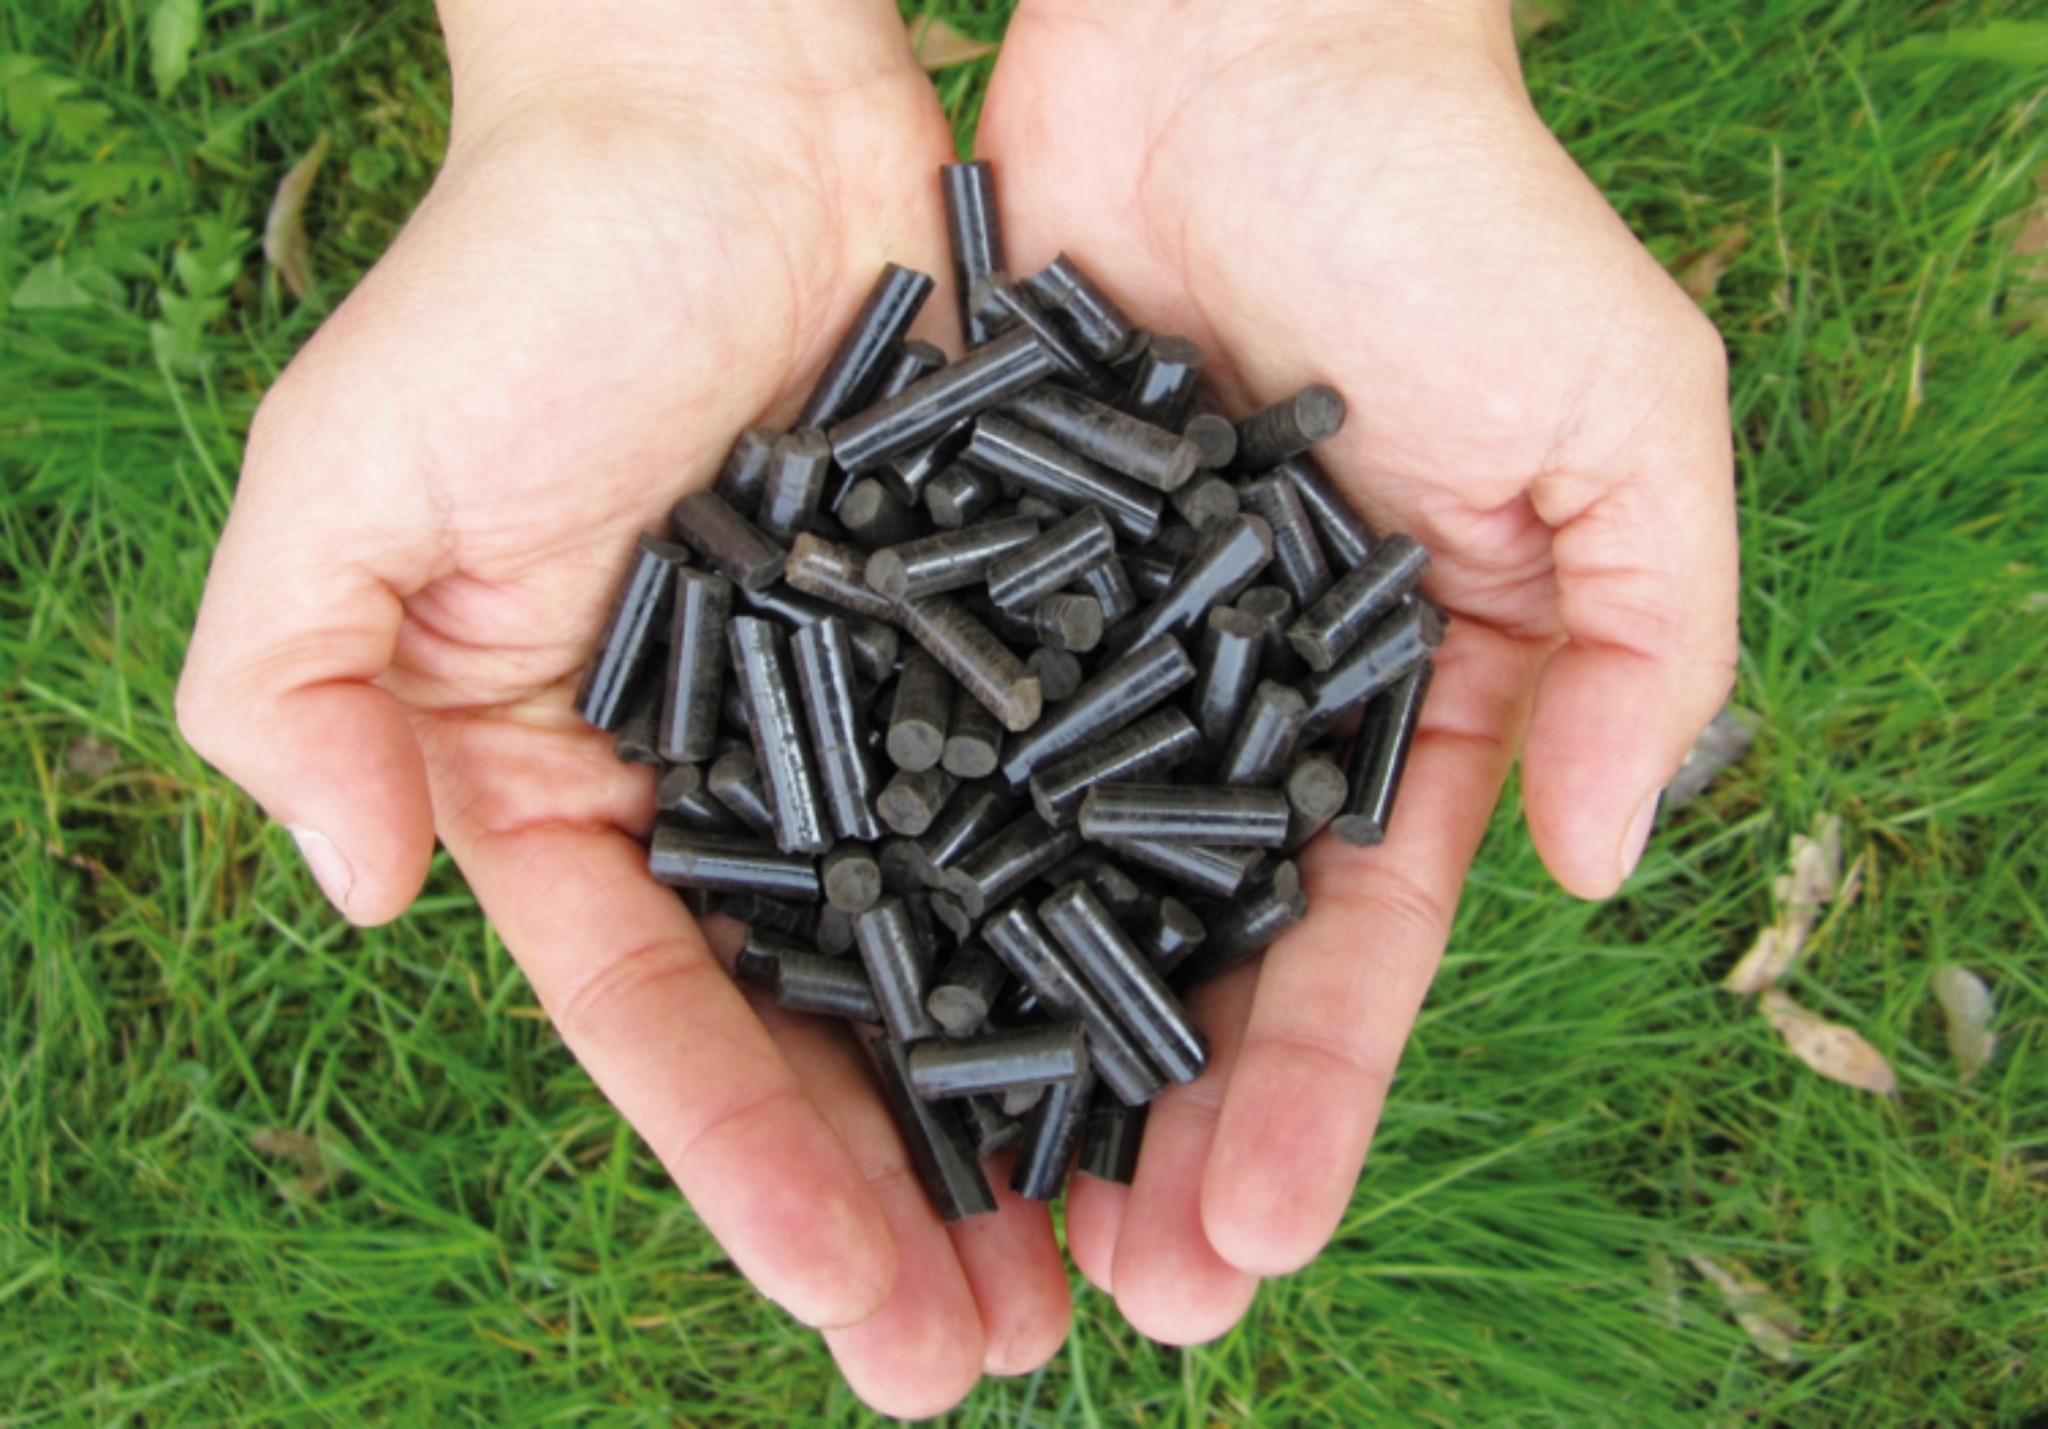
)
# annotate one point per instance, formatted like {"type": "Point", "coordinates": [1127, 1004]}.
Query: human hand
{"type": "Point", "coordinates": [1362, 195]}
{"type": "Point", "coordinates": [646, 237]}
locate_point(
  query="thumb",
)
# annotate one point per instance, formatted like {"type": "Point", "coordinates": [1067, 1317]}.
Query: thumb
{"type": "Point", "coordinates": [276, 693]}
{"type": "Point", "coordinates": [1646, 590]}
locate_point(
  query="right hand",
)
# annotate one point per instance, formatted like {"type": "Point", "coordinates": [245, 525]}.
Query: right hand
{"type": "Point", "coordinates": [646, 237]}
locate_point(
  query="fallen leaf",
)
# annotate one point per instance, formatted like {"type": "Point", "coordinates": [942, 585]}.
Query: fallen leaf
{"type": "Point", "coordinates": [1726, 739]}
{"type": "Point", "coordinates": [284, 230]}
{"type": "Point", "coordinates": [90, 757]}
{"type": "Point", "coordinates": [1817, 863]}
{"type": "Point", "coordinates": [1766, 1321]}
{"type": "Point", "coordinates": [1767, 960]}
{"type": "Point", "coordinates": [938, 45]}
{"type": "Point", "coordinates": [1700, 273]}
{"type": "Point", "coordinates": [302, 1151]}
{"type": "Point", "coordinates": [1831, 1049]}
{"type": "Point", "coordinates": [1969, 1007]}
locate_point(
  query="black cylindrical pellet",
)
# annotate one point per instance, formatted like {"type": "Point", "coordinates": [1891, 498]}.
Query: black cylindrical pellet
{"type": "Point", "coordinates": [834, 934]}
{"type": "Point", "coordinates": [796, 480]}
{"type": "Point", "coordinates": [989, 1063]}
{"type": "Point", "coordinates": [1097, 323]}
{"type": "Point", "coordinates": [1298, 562]}
{"type": "Point", "coordinates": [869, 348]}
{"type": "Point", "coordinates": [912, 799]}
{"type": "Point", "coordinates": [683, 795]}
{"type": "Point", "coordinates": [987, 874]}
{"type": "Point", "coordinates": [1178, 543]}
{"type": "Point", "coordinates": [947, 560]}
{"type": "Point", "coordinates": [1214, 434]}
{"type": "Point", "coordinates": [1051, 1137]}
{"type": "Point", "coordinates": [695, 685]}
{"type": "Point", "coordinates": [1111, 588]}
{"type": "Point", "coordinates": [770, 912]}
{"type": "Point", "coordinates": [971, 817]}
{"type": "Point", "coordinates": [1112, 439]}
{"type": "Point", "coordinates": [966, 989]}
{"type": "Point", "coordinates": [686, 858]}
{"type": "Point", "coordinates": [1259, 750]}
{"type": "Point", "coordinates": [632, 628]}
{"type": "Point", "coordinates": [1356, 603]}
{"type": "Point", "coordinates": [993, 1128]}
{"type": "Point", "coordinates": [951, 916]}
{"type": "Point", "coordinates": [1346, 539]}
{"type": "Point", "coordinates": [1150, 572]}
{"type": "Point", "coordinates": [1273, 608]}
{"type": "Point", "coordinates": [703, 522]}
{"type": "Point", "coordinates": [1044, 468]}
{"type": "Point", "coordinates": [1001, 304]}
{"type": "Point", "coordinates": [899, 963]}
{"type": "Point", "coordinates": [1232, 560]}
{"type": "Point", "coordinates": [1379, 756]}
{"type": "Point", "coordinates": [836, 574]}
{"type": "Point", "coordinates": [874, 644]}
{"type": "Point", "coordinates": [732, 710]}
{"type": "Point", "coordinates": [875, 516]}
{"type": "Point", "coordinates": [908, 475]}
{"type": "Point", "coordinates": [1120, 692]}
{"type": "Point", "coordinates": [1038, 508]}
{"type": "Point", "coordinates": [1218, 872]}
{"type": "Point", "coordinates": [1118, 972]}
{"type": "Point", "coordinates": [920, 713]}
{"type": "Point", "coordinates": [1150, 746]}
{"type": "Point", "coordinates": [1164, 381]}
{"type": "Point", "coordinates": [1105, 877]}
{"type": "Point", "coordinates": [759, 963]}
{"type": "Point", "coordinates": [824, 668]}
{"type": "Point", "coordinates": [735, 781]}
{"type": "Point", "coordinates": [1170, 936]}
{"type": "Point", "coordinates": [1033, 569]}
{"type": "Point", "coordinates": [745, 473]}
{"type": "Point", "coordinates": [974, 739]}
{"type": "Point", "coordinates": [830, 987]}
{"type": "Point", "coordinates": [675, 786]}
{"type": "Point", "coordinates": [941, 1147]}
{"type": "Point", "coordinates": [1023, 946]}
{"type": "Point", "coordinates": [959, 494]}
{"type": "Point", "coordinates": [901, 865]}
{"type": "Point", "coordinates": [1018, 1101]}
{"type": "Point", "coordinates": [1185, 813]}
{"type": "Point", "coordinates": [760, 658]}
{"type": "Point", "coordinates": [1289, 427]}
{"type": "Point", "coordinates": [1110, 1139]}
{"type": "Point", "coordinates": [974, 657]}
{"type": "Point", "coordinates": [1397, 645]}
{"type": "Point", "coordinates": [990, 374]}
{"type": "Point", "coordinates": [1059, 673]}
{"type": "Point", "coordinates": [1061, 622]}
{"type": "Point", "coordinates": [1242, 930]}
{"type": "Point", "coordinates": [634, 742]}
{"type": "Point", "coordinates": [1208, 503]}
{"type": "Point", "coordinates": [1228, 669]}
{"type": "Point", "coordinates": [851, 877]}
{"type": "Point", "coordinates": [974, 232]}
{"type": "Point", "coordinates": [913, 360]}
{"type": "Point", "coordinates": [1316, 787]}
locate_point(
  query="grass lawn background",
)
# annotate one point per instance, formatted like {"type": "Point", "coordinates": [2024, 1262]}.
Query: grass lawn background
{"type": "Point", "coordinates": [1582, 1108]}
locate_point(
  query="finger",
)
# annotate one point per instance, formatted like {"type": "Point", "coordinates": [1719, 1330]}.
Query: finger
{"type": "Point", "coordinates": [627, 979]}
{"type": "Point", "coordinates": [1337, 995]}
{"type": "Point", "coordinates": [276, 693]}
{"type": "Point", "coordinates": [1095, 1221]}
{"type": "Point", "coordinates": [1646, 591]}
{"type": "Point", "coordinates": [1170, 1282]}
{"type": "Point", "coordinates": [1012, 1262]}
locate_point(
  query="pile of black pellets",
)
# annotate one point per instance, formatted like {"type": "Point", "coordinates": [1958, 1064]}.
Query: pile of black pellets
{"type": "Point", "coordinates": [1021, 677]}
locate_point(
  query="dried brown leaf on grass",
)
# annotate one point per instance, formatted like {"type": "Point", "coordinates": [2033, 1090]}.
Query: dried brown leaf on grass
{"type": "Point", "coordinates": [938, 45]}
{"type": "Point", "coordinates": [1759, 1312]}
{"type": "Point", "coordinates": [284, 229]}
{"type": "Point", "coordinates": [1726, 739]}
{"type": "Point", "coordinates": [1836, 1052]}
{"type": "Point", "coordinates": [90, 757]}
{"type": "Point", "coordinates": [1813, 880]}
{"type": "Point", "coordinates": [1968, 1006]}
{"type": "Point", "coordinates": [305, 1155]}
{"type": "Point", "coordinates": [1699, 273]}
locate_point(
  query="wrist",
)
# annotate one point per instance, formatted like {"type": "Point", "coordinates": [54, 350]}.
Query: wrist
{"type": "Point", "coordinates": [632, 55]}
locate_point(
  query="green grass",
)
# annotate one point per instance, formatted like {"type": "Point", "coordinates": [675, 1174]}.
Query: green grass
{"type": "Point", "coordinates": [1581, 1108]}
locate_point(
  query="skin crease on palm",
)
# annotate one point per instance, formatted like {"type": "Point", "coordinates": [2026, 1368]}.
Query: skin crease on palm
{"type": "Point", "coordinates": [647, 237]}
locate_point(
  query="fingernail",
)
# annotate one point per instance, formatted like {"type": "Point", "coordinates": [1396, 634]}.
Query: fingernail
{"type": "Point", "coordinates": [1638, 835]}
{"type": "Point", "coordinates": [330, 868]}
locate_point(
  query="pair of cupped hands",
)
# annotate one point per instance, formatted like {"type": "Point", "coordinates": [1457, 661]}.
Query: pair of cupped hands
{"type": "Point", "coordinates": [652, 227]}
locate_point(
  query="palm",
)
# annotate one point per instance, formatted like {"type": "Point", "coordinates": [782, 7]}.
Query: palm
{"type": "Point", "coordinates": [1394, 220]}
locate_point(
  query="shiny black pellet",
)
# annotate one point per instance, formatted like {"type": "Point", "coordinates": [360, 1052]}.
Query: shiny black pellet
{"type": "Point", "coordinates": [733, 544]}
{"type": "Point", "coordinates": [942, 1148]}
{"type": "Point", "coordinates": [632, 629]}
{"type": "Point", "coordinates": [1379, 757]}
{"type": "Point", "coordinates": [870, 347]}
{"type": "Point", "coordinates": [1289, 427]}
